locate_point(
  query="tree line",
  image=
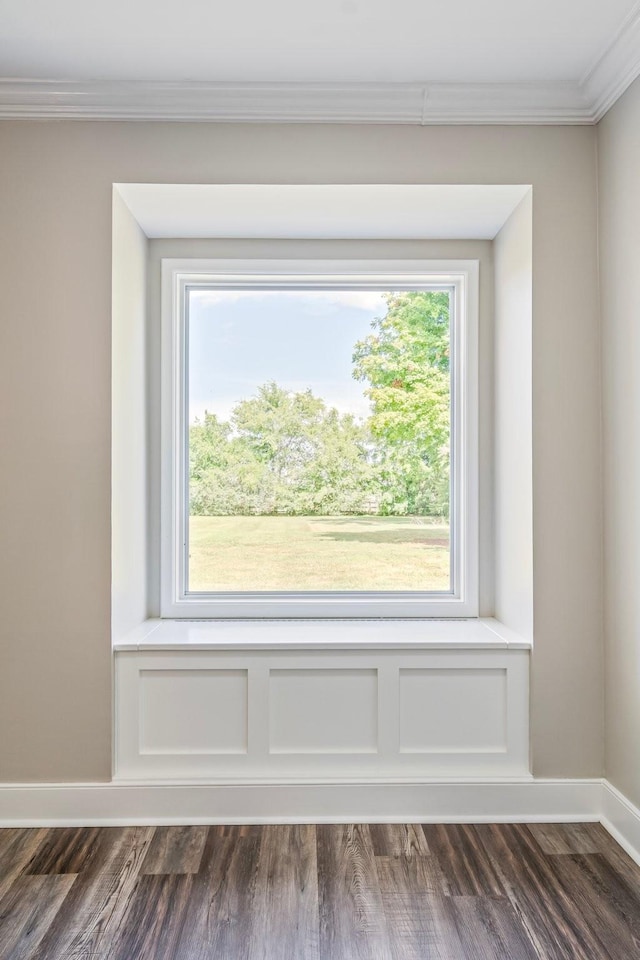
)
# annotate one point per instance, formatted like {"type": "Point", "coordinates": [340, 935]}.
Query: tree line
{"type": "Point", "coordinates": [290, 453]}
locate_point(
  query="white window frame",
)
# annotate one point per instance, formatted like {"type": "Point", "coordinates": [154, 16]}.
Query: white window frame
{"type": "Point", "coordinates": [462, 275]}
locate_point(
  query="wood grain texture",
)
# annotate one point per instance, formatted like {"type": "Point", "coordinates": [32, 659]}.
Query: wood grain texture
{"type": "Point", "coordinates": [65, 850]}
{"type": "Point", "coordinates": [284, 921]}
{"type": "Point", "coordinates": [27, 910]}
{"type": "Point", "coordinates": [465, 864]}
{"type": "Point", "coordinates": [88, 923]}
{"type": "Point", "coordinates": [411, 891]}
{"type": "Point", "coordinates": [175, 850]}
{"type": "Point", "coordinates": [352, 919]}
{"type": "Point", "coordinates": [17, 848]}
{"type": "Point", "coordinates": [348, 892]}
{"type": "Point", "coordinates": [564, 838]}
{"type": "Point", "coordinates": [620, 862]}
{"type": "Point", "coordinates": [218, 917]}
{"type": "Point", "coordinates": [608, 906]}
{"type": "Point", "coordinates": [485, 928]}
{"type": "Point", "coordinates": [550, 910]}
{"type": "Point", "coordinates": [398, 840]}
{"type": "Point", "coordinates": [154, 922]}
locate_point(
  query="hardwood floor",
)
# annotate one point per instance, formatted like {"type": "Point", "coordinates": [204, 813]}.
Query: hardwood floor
{"type": "Point", "coordinates": [358, 892]}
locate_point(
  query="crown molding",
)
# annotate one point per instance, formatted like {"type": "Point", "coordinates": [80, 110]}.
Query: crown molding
{"type": "Point", "coordinates": [402, 103]}
{"type": "Point", "coordinates": [566, 102]}
{"type": "Point", "coordinates": [616, 67]}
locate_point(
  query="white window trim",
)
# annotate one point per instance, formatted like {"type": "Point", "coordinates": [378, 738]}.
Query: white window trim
{"type": "Point", "coordinates": [463, 600]}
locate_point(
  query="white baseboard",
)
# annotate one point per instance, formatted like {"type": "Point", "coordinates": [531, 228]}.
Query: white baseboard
{"type": "Point", "coordinates": [442, 801]}
{"type": "Point", "coordinates": [621, 819]}
{"type": "Point", "coordinates": [429, 801]}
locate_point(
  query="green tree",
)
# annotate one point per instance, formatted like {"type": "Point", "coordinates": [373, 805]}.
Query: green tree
{"type": "Point", "coordinates": [225, 477]}
{"type": "Point", "coordinates": [282, 452]}
{"type": "Point", "coordinates": [341, 478]}
{"type": "Point", "coordinates": [281, 429]}
{"type": "Point", "coordinates": [405, 361]}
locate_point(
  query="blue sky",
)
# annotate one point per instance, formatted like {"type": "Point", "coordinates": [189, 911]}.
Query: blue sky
{"type": "Point", "coordinates": [301, 339]}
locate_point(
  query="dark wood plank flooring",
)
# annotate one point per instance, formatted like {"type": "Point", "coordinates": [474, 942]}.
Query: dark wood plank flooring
{"type": "Point", "coordinates": [329, 892]}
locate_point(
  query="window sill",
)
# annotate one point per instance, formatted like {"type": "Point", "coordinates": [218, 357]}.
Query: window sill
{"type": "Point", "coordinates": [471, 634]}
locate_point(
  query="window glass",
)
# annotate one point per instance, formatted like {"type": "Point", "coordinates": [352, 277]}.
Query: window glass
{"type": "Point", "coordinates": [319, 440]}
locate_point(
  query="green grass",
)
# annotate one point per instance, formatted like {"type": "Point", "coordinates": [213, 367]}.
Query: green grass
{"type": "Point", "coordinates": [318, 553]}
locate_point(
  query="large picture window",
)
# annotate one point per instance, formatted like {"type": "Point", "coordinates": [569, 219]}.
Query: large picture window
{"type": "Point", "coordinates": [319, 439]}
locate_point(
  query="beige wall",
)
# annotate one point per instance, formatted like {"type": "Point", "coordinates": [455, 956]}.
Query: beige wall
{"type": "Point", "coordinates": [619, 189]}
{"type": "Point", "coordinates": [55, 375]}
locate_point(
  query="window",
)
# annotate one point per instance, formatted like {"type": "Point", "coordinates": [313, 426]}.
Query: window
{"type": "Point", "coordinates": [319, 439]}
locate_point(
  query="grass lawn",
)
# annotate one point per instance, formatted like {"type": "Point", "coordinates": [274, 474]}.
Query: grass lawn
{"type": "Point", "coordinates": [318, 553]}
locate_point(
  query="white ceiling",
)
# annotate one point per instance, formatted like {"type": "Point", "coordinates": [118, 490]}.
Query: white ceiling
{"type": "Point", "coordinates": [297, 40]}
{"type": "Point", "coordinates": [335, 61]}
{"type": "Point", "coordinates": [320, 211]}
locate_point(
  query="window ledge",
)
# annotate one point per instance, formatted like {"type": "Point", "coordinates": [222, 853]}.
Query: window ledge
{"type": "Point", "coordinates": [471, 634]}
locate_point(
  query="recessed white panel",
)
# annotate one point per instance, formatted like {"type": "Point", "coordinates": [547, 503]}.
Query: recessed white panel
{"type": "Point", "coordinates": [323, 711]}
{"type": "Point", "coordinates": [193, 711]}
{"type": "Point", "coordinates": [453, 710]}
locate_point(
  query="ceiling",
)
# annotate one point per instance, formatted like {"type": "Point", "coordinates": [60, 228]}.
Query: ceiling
{"type": "Point", "coordinates": [552, 50]}
{"type": "Point", "coordinates": [321, 211]}
{"type": "Point", "coordinates": [297, 40]}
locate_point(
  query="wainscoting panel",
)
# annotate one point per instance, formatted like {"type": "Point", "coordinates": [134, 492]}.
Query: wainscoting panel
{"type": "Point", "coordinates": [193, 711]}
{"type": "Point", "coordinates": [303, 714]}
{"type": "Point", "coordinates": [453, 710]}
{"type": "Point", "coordinates": [323, 711]}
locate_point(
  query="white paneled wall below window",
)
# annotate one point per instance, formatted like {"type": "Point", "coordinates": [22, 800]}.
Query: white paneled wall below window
{"type": "Point", "coordinates": [299, 714]}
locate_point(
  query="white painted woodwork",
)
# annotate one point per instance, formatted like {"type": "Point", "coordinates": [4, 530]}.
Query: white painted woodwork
{"type": "Point", "coordinates": [621, 818]}
{"type": "Point", "coordinates": [130, 419]}
{"type": "Point", "coordinates": [446, 710]}
{"type": "Point", "coordinates": [483, 633]}
{"type": "Point", "coordinates": [193, 711]}
{"type": "Point", "coordinates": [323, 711]}
{"type": "Point", "coordinates": [295, 714]}
{"type": "Point", "coordinates": [127, 803]}
{"type": "Point", "coordinates": [512, 478]}
{"type": "Point", "coordinates": [581, 99]}
{"type": "Point", "coordinates": [560, 102]}
{"type": "Point", "coordinates": [462, 276]}
{"type": "Point", "coordinates": [330, 211]}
